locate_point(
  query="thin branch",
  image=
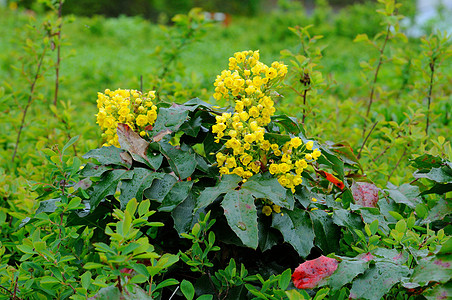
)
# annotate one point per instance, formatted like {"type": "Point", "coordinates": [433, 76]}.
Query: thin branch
{"type": "Point", "coordinates": [383, 152]}
{"type": "Point", "coordinates": [58, 62]}
{"type": "Point", "coordinates": [397, 164]}
{"type": "Point", "coordinates": [365, 140]}
{"type": "Point", "coordinates": [30, 100]}
{"type": "Point", "coordinates": [380, 62]}
{"type": "Point", "coordinates": [429, 98]}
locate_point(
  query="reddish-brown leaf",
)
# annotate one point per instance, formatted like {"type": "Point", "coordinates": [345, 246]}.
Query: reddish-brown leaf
{"type": "Point", "coordinates": [333, 179]}
{"type": "Point", "coordinates": [365, 194]}
{"type": "Point", "coordinates": [132, 141]}
{"type": "Point", "coordinates": [311, 272]}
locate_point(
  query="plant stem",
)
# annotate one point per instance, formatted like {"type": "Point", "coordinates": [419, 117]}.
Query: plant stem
{"type": "Point", "coordinates": [30, 100]}
{"type": "Point", "coordinates": [58, 62]}
{"type": "Point", "coordinates": [397, 164]}
{"type": "Point", "coordinates": [304, 106]}
{"type": "Point", "coordinates": [380, 62]}
{"type": "Point", "coordinates": [365, 140]}
{"type": "Point", "coordinates": [429, 97]}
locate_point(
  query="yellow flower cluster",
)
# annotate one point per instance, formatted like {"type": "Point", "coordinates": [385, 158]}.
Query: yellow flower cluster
{"type": "Point", "coordinates": [130, 107]}
{"type": "Point", "coordinates": [249, 83]}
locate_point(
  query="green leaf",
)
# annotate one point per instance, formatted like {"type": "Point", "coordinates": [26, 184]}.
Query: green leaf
{"type": "Point", "coordinates": [441, 209]}
{"type": "Point", "coordinates": [170, 119]}
{"type": "Point", "coordinates": [86, 280]}
{"type": "Point", "coordinates": [327, 234]}
{"type": "Point", "coordinates": [377, 280]}
{"type": "Point", "coordinates": [26, 249]}
{"type": "Point", "coordinates": [290, 124]}
{"type": "Point", "coordinates": [108, 156]}
{"type": "Point", "coordinates": [134, 188]}
{"type": "Point", "coordinates": [166, 282]}
{"type": "Point", "coordinates": [346, 218]}
{"type": "Point", "coordinates": [139, 278]}
{"type": "Point", "coordinates": [426, 161]}
{"type": "Point", "coordinates": [269, 188]}
{"type": "Point", "coordinates": [297, 295]}
{"type": "Point", "coordinates": [361, 37]}
{"type": "Point", "coordinates": [205, 297]}
{"type": "Point", "coordinates": [439, 175]}
{"type": "Point", "coordinates": [296, 228]}
{"type": "Point", "coordinates": [226, 184]}
{"type": "Point", "coordinates": [108, 185]}
{"type": "Point", "coordinates": [183, 216]}
{"type": "Point", "coordinates": [439, 292]}
{"type": "Point", "coordinates": [406, 194]}
{"type": "Point", "coordinates": [241, 215]}
{"type": "Point", "coordinates": [181, 159]}
{"type": "Point", "coordinates": [347, 270]}
{"type": "Point", "coordinates": [178, 193]}
{"type": "Point", "coordinates": [284, 279]}
{"type": "Point", "coordinates": [187, 289]}
{"type": "Point", "coordinates": [70, 143]}
{"type": "Point", "coordinates": [49, 280]}
{"type": "Point", "coordinates": [433, 269]}
{"type": "Point", "coordinates": [93, 170]}
{"type": "Point", "coordinates": [160, 188]}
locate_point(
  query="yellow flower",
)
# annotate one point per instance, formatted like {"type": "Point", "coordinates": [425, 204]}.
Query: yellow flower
{"type": "Point", "coordinates": [309, 145]}
{"type": "Point", "coordinates": [276, 208]}
{"type": "Point", "coordinates": [308, 156]}
{"type": "Point", "coordinates": [267, 210]}
{"type": "Point", "coordinates": [295, 142]}
{"type": "Point", "coordinates": [274, 169]}
{"type": "Point", "coordinates": [141, 120]}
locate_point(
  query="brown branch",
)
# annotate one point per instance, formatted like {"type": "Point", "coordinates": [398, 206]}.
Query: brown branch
{"type": "Point", "coordinates": [429, 97]}
{"type": "Point", "coordinates": [380, 62]}
{"type": "Point", "coordinates": [365, 140]}
{"type": "Point", "coordinates": [397, 164]}
{"type": "Point", "coordinates": [58, 62]}
{"type": "Point", "coordinates": [30, 100]}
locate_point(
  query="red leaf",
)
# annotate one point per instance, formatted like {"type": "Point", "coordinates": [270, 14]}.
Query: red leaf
{"type": "Point", "coordinates": [333, 179]}
{"type": "Point", "coordinates": [365, 194]}
{"type": "Point", "coordinates": [311, 272]}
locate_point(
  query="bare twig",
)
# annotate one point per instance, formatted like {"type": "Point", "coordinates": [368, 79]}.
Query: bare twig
{"type": "Point", "coordinates": [365, 140]}
{"type": "Point", "coordinates": [380, 62]}
{"type": "Point", "coordinates": [58, 62]}
{"type": "Point", "coordinates": [30, 100]}
{"type": "Point", "coordinates": [397, 164]}
{"type": "Point", "coordinates": [429, 97]}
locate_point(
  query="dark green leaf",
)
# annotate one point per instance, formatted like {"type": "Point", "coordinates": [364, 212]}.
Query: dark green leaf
{"type": "Point", "coordinates": [160, 188]}
{"type": "Point", "coordinates": [134, 188]}
{"type": "Point", "coordinates": [226, 184]}
{"type": "Point", "coordinates": [183, 215]}
{"type": "Point", "coordinates": [241, 215]}
{"type": "Point", "coordinates": [290, 124]}
{"type": "Point", "coordinates": [346, 218]}
{"type": "Point", "coordinates": [269, 188]}
{"type": "Point", "coordinates": [170, 119]}
{"type": "Point", "coordinates": [178, 193]}
{"type": "Point", "coordinates": [426, 161]}
{"type": "Point", "coordinates": [439, 175]}
{"type": "Point", "coordinates": [327, 234]}
{"type": "Point", "coordinates": [406, 194]}
{"type": "Point", "coordinates": [439, 189]}
{"type": "Point", "coordinates": [108, 185]}
{"type": "Point", "coordinates": [441, 209]}
{"type": "Point", "coordinates": [181, 159]}
{"type": "Point", "coordinates": [439, 292]}
{"type": "Point", "coordinates": [436, 269]}
{"type": "Point", "coordinates": [92, 170]}
{"type": "Point", "coordinates": [108, 156]}
{"type": "Point", "coordinates": [296, 228]}
{"type": "Point", "coordinates": [377, 280]}
{"type": "Point", "coordinates": [347, 270]}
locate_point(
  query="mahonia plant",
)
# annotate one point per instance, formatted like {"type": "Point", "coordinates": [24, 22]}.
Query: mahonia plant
{"type": "Point", "coordinates": [251, 84]}
{"type": "Point", "coordinates": [130, 107]}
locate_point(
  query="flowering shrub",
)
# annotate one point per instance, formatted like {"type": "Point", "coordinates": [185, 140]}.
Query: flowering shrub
{"type": "Point", "coordinates": [125, 106]}
{"type": "Point", "coordinates": [250, 85]}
